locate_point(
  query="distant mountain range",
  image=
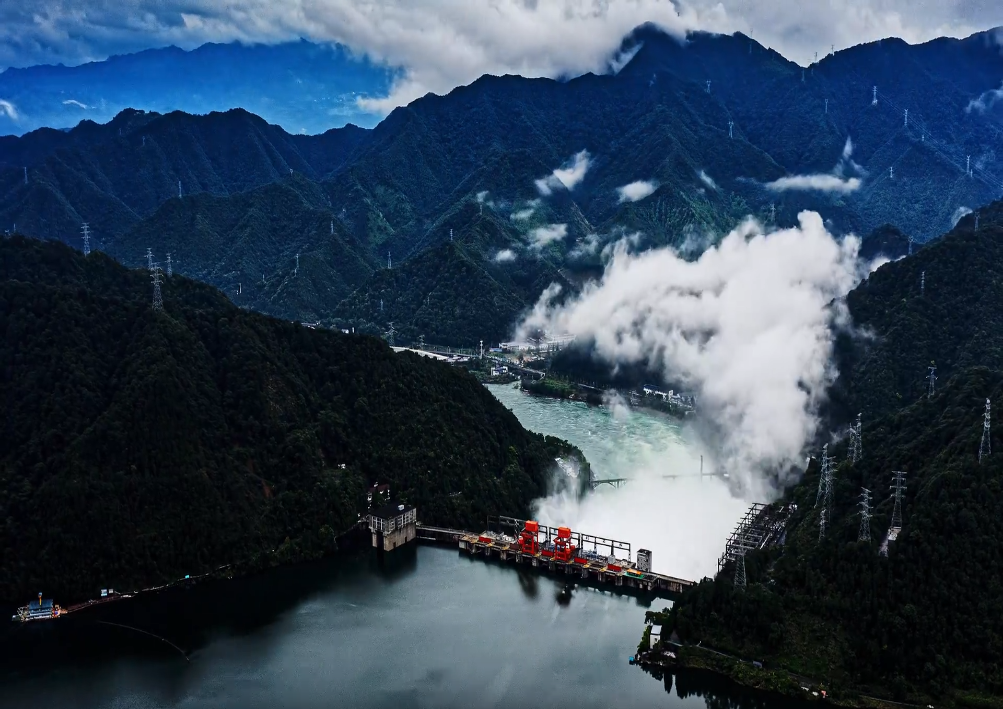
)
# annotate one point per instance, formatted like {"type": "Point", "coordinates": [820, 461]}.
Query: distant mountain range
{"type": "Point", "coordinates": [302, 86]}
{"type": "Point", "coordinates": [534, 177]}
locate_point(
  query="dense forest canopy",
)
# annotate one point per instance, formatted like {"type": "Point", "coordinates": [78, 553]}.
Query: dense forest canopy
{"type": "Point", "coordinates": [139, 446]}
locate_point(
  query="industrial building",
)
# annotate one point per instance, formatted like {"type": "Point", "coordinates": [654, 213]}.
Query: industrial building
{"type": "Point", "coordinates": [392, 525]}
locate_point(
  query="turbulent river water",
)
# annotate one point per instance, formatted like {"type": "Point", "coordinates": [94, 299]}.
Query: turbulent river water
{"type": "Point", "coordinates": [426, 627]}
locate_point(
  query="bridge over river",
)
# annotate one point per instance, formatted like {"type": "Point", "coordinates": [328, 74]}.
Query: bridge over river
{"type": "Point", "coordinates": [595, 482]}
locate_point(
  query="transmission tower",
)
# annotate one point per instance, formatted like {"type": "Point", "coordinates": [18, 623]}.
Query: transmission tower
{"type": "Point", "coordinates": [773, 213]}
{"type": "Point", "coordinates": [905, 118]}
{"type": "Point", "coordinates": [827, 105]}
{"type": "Point", "coordinates": [825, 479]}
{"type": "Point", "coordinates": [864, 533]}
{"type": "Point", "coordinates": [389, 262]}
{"type": "Point", "coordinates": [821, 526]}
{"type": "Point", "coordinates": [740, 569]}
{"type": "Point", "coordinates": [899, 486]}
{"type": "Point", "coordinates": [910, 238]}
{"type": "Point", "coordinates": [179, 189]}
{"type": "Point", "coordinates": [855, 453]}
{"type": "Point", "coordinates": [170, 269]}
{"type": "Point", "coordinates": [985, 448]}
{"type": "Point", "coordinates": [874, 96]}
{"type": "Point", "coordinates": [390, 334]}
{"type": "Point", "coordinates": [332, 227]}
{"type": "Point", "coordinates": [86, 231]}
{"type": "Point", "coordinates": [708, 87]}
{"type": "Point", "coordinates": [730, 126]}
{"type": "Point", "coordinates": [421, 342]}
{"type": "Point", "coordinates": [26, 175]}
{"type": "Point", "coordinates": [968, 166]}
{"type": "Point", "coordinates": [450, 236]}
{"type": "Point", "coordinates": [297, 269]}
{"type": "Point", "coordinates": [976, 222]}
{"type": "Point", "coordinates": [922, 282]}
{"type": "Point", "coordinates": [891, 176]}
{"type": "Point", "coordinates": [932, 377]}
{"type": "Point", "coordinates": [156, 275]}
{"type": "Point", "coordinates": [149, 259]}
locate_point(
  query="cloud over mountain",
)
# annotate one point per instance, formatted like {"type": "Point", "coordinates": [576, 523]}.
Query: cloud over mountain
{"type": "Point", "coordinates": [567, 176]}
{"type": "Point", "coordinates": [636, 190]}
{"type": "Point", "coordinates": [441, 44]}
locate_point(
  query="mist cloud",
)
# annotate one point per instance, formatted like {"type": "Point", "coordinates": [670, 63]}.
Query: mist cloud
{"type": "Point", "coordinates": [820, 182]}
{"type": "Point", "coordinates": [8, 109]}
{"type": "Point", "coordinates": [706, 179]}
{"type": "Point", "coordinates": [636, 190]}
{"type": "Point", "coordinates": [544, 235]}
{"type": "Point", "coordinates": [748, 327]}
{"type": "Point", "coordinates": [985, 101]}
{"type": "Point", "coordinates": [567, 176]}
{"type": "Point", "coordinates": [504, 256]}
{"type": "Point", "coordinates": [825, 182]}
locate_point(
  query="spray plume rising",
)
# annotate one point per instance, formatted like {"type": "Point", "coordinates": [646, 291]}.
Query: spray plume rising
{"type": "Point", "coordinates": [748, 327]}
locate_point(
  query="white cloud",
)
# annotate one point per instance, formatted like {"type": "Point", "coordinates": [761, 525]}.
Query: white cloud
{"type": "Point", "coordinates": [504, 256]}
{"type": "Point", "coordinates": [74, 102]}
{"type": "Point", "coordinates": [521, 215]}
{"type": "Point", "coordinates": [567, 176]}
{"type": "Point", "coordinates": [706, 179]}
{"type": "Point", "coordinates": [985, 100]}
{"type": "Point", "coordinates": [8, 109]}
{"type": "Point", "coordinates": [481, 196]}
{"type": "Point", "coordinates": [748, 327]}
{"type": "Point", "coordinates": [959, 214]}
{"type": "Point", "coordinates": [586, 246]}
{"type": "Point", "coordinates": [636, 190]}
{"type": "Point", "coordinates": [544, 235]}
{"type": "Point", "coordinates": [820, 182]}
{"type": "Point", "coordinates": [824, 182]}
{"type": "Point", "coordinates": [442, 44]}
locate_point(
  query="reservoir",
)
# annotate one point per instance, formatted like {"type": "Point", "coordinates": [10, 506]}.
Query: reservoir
{"type": "Point", "coordinates": [428, 627]}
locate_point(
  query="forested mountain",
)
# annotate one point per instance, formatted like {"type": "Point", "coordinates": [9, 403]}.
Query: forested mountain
{"type": "Point", "coordinates": [942, 307]}
{"type": "Point", "coordinates": [138, 446]}
{"type": "Point", "coordinates": [565, 167]}
{"type": "Point", "coordinates": [302, 86]}
{"type": "Point", "coordinates": [919, 624]}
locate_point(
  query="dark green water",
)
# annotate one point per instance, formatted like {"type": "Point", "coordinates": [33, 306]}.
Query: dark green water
{"type": "Point", "coordinates": [430, 628]}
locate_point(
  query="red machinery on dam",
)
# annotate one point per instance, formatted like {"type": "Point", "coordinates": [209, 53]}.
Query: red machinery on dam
{"type": "Point", "coordinates": [559, 550]}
